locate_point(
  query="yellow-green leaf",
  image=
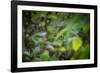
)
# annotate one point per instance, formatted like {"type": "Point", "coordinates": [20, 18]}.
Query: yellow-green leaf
{"type": "Point", "coordinates": [76, 43]}
{"type": "Point", "coordinates": [57, 43]}
{"type": "Point", "coordinates": [62, 49]}
{"type": "Point", "coordinates": [60, 33]}
{"type": "Point", "coordinates": [42, 24]}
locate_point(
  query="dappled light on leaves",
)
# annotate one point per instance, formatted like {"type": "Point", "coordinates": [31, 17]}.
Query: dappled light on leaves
{"type": "Point", "coordinates": [52, 36]}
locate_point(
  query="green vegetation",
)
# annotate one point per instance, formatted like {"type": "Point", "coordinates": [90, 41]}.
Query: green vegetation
{"type": "Point", "coordinates": [52, 36]}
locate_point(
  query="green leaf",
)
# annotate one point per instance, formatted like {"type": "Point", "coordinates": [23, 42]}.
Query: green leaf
{"type": "Point", "coordinates": [85, 52]}
{"type": "Point", "coordinates": [44, 56]}
{"type": "Point", "coordinates": [50, 47]}
{"type": "Point", "coordinates": [52, 58]}
{"type": "Point", "coordinates": [53, 17]}
{"type": "Point", "coordinates": [50, 29]}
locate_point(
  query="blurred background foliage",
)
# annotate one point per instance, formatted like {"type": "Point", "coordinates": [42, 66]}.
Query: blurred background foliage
{"type": "Point", "coordinates": [51, 36]}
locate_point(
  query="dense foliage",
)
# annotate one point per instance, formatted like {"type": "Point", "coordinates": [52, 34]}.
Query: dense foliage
{"type": "Point", "coordinates": [50, 36]}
